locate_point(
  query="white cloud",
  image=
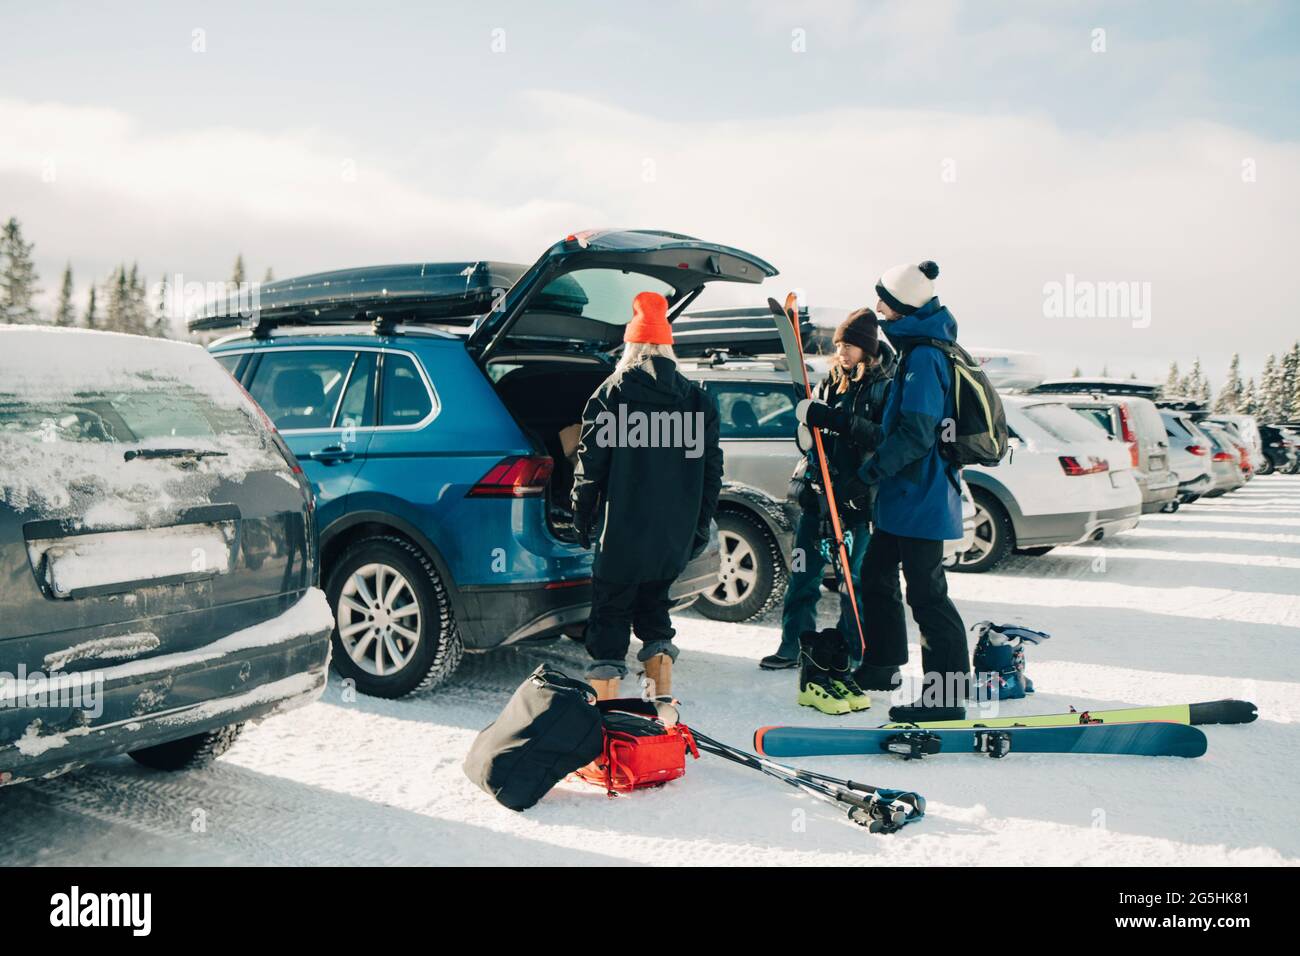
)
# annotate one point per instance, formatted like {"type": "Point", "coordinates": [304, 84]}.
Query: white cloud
{"type": "Point", "coordinates": [830, 197]}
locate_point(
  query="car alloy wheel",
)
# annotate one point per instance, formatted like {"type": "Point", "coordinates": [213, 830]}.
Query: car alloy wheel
{"type": "Point", "coordinates": [738, 574]}
{"type": "Point", "coordinates": [378, 619]}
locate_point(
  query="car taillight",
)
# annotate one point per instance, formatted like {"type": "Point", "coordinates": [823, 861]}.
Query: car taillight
{"type": "Point", "coordinates": [1196, 449]}
{"type": "Point", "coordinates": [1126, 433]}
{"type": "Point", "coordinates": [1094, 465]}
{"type": "Point", "coordinates": [515, 476]}
{"type": "Point", "coordinates": [1222, 456]}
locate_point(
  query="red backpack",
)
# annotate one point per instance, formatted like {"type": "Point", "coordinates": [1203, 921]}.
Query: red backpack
{"type": "Point", "coordinates": [644, 746]}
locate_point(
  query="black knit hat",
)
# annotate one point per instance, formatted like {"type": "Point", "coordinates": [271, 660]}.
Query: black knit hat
{"type": "Point", "coordinates": [860, 329]}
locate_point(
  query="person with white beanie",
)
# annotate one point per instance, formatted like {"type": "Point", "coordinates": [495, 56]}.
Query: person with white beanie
{"type": "Point", "coordinates": [918, 504]}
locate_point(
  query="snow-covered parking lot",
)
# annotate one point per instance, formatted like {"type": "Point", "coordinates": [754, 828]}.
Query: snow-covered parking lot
{"type": "Point", "coordinates": [1198, 605]}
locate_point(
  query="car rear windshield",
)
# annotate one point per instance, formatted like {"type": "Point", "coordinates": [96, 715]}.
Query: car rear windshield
{"type": "Point", "coordinates": [121, 416]}
{"type": "Point", "coordinates": [1064, 423]}
{"type": "Point", "coordinates": [604, 294]}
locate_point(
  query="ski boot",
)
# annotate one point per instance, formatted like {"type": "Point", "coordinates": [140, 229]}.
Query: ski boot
{"type": "Point", "coordinates": [841, 671]}
{"type": "Point", "coordinates": [816, 688]}
{"type": "Point", "coordinates": [1000, 661]}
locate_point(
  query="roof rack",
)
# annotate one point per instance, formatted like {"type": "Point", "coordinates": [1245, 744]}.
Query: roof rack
{"type": "Point", "coordinates": [382, 296]}
{"type": "Point", "coordinates": [747, 331]}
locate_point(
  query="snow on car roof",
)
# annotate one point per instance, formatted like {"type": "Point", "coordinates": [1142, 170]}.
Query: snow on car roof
{"type": "Point", "coordinates": [49, 362]}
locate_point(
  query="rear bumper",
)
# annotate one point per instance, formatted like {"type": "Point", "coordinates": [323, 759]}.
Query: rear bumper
{"type": "Point", "coordinates": [507, 614]}
{"type": "Point", "coordinates": [55, 722]}
{"type": "Point", "coordinates": [1157, 490]}
{"type": "Point", "coordinates": [1034, 531]}
{"type": "Point", "coordinates": [1195, 487]}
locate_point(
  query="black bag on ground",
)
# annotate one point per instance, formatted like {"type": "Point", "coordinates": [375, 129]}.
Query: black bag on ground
{"type": "Point", "coordinates": [549, 729]}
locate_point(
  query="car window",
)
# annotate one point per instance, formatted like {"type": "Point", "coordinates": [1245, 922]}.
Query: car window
{"type": "Point", "coordinates": [229, 362]}
{"type": "Point", "coordinates": [301, 388]}
{"type": "Point", "coordinates": [358, 406]}
{"type": "Point", "coordinates": [121, 416]}
{"type": "Point", "coordinates": [1101, 417]}
{"type": "Point", "coordinates": [1065, 423]}
{"type": "Point", "coordinates": [405, 398]}
{"type": "Point", "coordinates": [755, 409]}
{"type": "Point", "coordinates": [604, 294]}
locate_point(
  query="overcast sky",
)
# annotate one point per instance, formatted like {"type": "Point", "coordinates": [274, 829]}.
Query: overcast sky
{"type": "Point", "coordinates": [1015, 144]}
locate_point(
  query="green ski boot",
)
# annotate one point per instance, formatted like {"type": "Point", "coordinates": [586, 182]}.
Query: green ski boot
{"type": "Point", "coordinates": [842, 670]}
{"type": "Point", "coordinates": [816, 689]}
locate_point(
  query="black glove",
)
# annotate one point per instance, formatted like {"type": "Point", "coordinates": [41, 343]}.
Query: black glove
{"type": "Point", "coordinates": [838, 420]}
{"type": "Point", "coordinates": [849, 489]}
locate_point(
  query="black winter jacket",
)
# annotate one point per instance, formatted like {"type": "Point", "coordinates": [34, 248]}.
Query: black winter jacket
{"type": "Point", "coordinates": [865, 400]}
{"type": "Point", "coordinates": [656, 502]}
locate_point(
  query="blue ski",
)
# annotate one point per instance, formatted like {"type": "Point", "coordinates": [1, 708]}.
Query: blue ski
{"type": "Point", "coordinates": [1147, 739]}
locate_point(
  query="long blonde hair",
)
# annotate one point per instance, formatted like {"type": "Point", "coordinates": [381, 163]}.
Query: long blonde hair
{"type": "Point", "coordinates": [636, 354]}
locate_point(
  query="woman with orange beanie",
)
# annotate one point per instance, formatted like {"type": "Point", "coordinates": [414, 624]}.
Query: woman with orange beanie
{"type": "Point", "coordinates": [649, 472]}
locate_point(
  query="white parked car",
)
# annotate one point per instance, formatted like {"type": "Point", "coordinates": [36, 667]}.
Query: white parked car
{"type": "Point", "coordinates": [1063, 481]}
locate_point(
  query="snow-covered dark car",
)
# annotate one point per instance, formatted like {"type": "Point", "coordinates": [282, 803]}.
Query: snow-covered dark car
{"type": "Point", "coordinates": [158, 561]}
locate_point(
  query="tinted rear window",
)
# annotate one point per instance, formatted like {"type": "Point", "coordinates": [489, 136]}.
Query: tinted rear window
{"type": "Point", "coordinates": [406, 401]}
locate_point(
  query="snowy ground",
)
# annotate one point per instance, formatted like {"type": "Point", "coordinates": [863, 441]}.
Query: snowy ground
{"type": "Point", "coordinates": [1194, 606]}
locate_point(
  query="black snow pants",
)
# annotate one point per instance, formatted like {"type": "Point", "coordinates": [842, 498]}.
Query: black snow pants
{"type": "Point", "coordinates": [617, 611]}
{"type": "Point", "coordinates": [944, 650]}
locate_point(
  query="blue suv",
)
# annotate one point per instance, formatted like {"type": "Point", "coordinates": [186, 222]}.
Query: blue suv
{"type": "Point", "coordinates": [431, 406]}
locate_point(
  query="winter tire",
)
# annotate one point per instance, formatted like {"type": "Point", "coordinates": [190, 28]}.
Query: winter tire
{"type": "Point", "coordinates": [394, 631]}
{"type": "Point", "coordinates": [994, 536]}
{"type": "Point", "coordinates": [752, 576]}
{"type": "Point", "coordinates": [189, 753]}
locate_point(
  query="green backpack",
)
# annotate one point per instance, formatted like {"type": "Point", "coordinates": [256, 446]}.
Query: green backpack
{"type": "Point", "coordinates": [981, 423]}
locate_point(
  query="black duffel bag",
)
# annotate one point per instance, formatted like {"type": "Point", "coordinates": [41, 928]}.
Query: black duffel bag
{"type": "Point", "coordinates": [549, 729]}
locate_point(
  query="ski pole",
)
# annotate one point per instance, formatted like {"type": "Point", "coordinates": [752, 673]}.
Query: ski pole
{"type": "Point", "coordinates": [877, 814]}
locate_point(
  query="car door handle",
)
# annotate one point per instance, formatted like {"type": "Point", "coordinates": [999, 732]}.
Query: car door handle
{"type": "Point", "coordinates": [332, 454]}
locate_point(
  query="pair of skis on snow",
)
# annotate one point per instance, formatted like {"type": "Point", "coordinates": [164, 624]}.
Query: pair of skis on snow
{"type": "Point", "coordinates": [1139, 731]}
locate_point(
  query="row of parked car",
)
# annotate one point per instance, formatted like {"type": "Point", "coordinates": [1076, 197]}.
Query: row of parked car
{"type": "Point", "coordinates": [1087, 459]}
{"type": "Point", "coordinates": [372, 472]}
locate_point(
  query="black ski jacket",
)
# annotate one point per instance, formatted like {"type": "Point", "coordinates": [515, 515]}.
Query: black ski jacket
{"type": "Point", "coordinates": [649, 462]}
{"type": "Point", "coordinates": [865, 400]}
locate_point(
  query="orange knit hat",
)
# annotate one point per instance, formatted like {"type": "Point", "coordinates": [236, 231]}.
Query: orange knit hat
{"type": "Point", "coordinates": [649, 320]}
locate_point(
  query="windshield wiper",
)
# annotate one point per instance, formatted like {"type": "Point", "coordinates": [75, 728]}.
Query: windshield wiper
{"type": "Point", "coordinates": [171, 453]}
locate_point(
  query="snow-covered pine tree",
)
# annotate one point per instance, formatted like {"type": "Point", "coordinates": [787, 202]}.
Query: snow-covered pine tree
{"type": "Point", "coordinates": [1268, 400]}
{"type": "Point", "coordinates": [1173, 382]}
{"type": "Point", "coordinates": [1293, 413]}
{"type": "Point", "coordinates": [160, 325]}
{"type": "Point", "coordinates": [1229, 401]}
{"type": "Point", "coordinates": [1249, 405]}
{"type": "Point", "coordinates": [64, 314]}
{"type": "Point", "coordinates": [18, 289]}
{"type": "Point", "coordinates": [1077, 373]}
{"type": "Point", "coordinates": [137, 310]}
{"type": "Point", "coordinates": [269, 277]}
{"type": "Point", "coordinates": [1290, 374]}
{"type": "Point", "coordinates": [1105, 372]}
{"type": "Point", "coordinates": [116, 295]}
{"type": "Point", "coordinates": [91, 320]}
{"type": "Point", "coordinates": [237, 274]}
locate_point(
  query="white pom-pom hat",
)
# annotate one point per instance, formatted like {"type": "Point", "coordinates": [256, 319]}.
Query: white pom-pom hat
{"type": "Point", "coordinates": [907, 287]}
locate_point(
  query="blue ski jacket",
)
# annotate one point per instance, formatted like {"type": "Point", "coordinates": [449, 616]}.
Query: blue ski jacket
{"type": "Point", "coordinates": [917, 490]}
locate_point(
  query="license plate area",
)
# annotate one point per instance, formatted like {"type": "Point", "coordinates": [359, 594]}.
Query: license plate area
{"type": "Point", "coordinates": [75, 563]}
